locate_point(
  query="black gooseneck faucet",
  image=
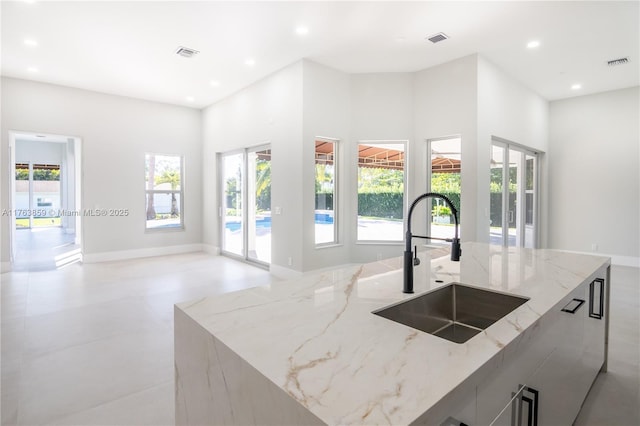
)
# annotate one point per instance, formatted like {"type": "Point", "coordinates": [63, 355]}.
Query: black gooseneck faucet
{"type": "Point", "coordinates": [411, 258]}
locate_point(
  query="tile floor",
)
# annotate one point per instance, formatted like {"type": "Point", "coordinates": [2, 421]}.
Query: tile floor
{"type": "Point", "coordinates": [93, 344]}
{"type": "Point", "coordinates": [42, 249]}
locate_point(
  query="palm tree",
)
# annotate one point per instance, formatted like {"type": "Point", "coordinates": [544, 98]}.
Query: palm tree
{"type": "Point", "coordinates": [263, 182]}
{"type": "Point", "coordinates": [171, 177]}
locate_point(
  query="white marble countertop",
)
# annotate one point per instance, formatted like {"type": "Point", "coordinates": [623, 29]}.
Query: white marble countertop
{"type": "Point", "coordinates": [316, 338]}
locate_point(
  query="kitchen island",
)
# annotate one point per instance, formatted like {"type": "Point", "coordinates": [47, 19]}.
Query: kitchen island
{"type": "Point", "coordinates": [310, 351]}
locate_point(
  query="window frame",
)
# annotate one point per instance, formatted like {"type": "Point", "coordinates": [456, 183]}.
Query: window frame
{"type": "Point", "coordinates": [429, 153]}
{"type": "Point", "coordinates": [180, 192]}
{"type": "Point", "coordinates": [336, 192]}
{"type": "Point", "coordinates": [405, 144]}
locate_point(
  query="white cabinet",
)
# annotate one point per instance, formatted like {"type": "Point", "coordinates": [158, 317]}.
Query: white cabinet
{"type": "Point", "coordinates": [594, 351]}
{"type": "Point", "coordinates": [546, 382]}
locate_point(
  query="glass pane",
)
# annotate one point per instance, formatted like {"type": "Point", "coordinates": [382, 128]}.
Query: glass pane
{"type": "Point", "coordinates": [232, 204]}
{"type": "Point", "coordinates": [529, 214]}
{"type": "Point", "coordinates": [22, 196]}
{"type": "Point", "coordinates": [495, 206]}
{"type": "Point", "coordinates": [259, 221]}
{"type": "Point", "coordinates": [380, 191]}
{"type": "Point", "coordinates": [513, 209]}
{"type": "Point", "coordinates": [163, 173]}
{"type": "Point", "coordinates": [446, 165]}
{"type": "Point", "coordinates": [166, 208]}
{"type": "Point", "coordinates": [325, 230]}
{"type": "Point", "coordinates": [46, 195]}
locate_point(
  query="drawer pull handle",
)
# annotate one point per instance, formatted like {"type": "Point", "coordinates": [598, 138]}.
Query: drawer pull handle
{"type": "Point", "coordinates": [573, 306]}
{"type": "Point", "coordinates": [592, 311]}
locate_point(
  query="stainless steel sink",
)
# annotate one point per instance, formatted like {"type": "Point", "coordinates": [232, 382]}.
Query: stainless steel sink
{"type": "Point", "coordinates": [455, 312]}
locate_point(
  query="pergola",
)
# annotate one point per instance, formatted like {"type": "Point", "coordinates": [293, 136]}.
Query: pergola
{"type": "Point", "coordinates": [383, 157]}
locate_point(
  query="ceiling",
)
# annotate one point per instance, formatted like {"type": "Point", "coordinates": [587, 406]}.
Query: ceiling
{"type": "Point", "coordinates": [128, 48]}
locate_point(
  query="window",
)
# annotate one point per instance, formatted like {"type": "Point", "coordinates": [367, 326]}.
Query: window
{"type": "Point", "coordinates": [381, 190]}
{"type": "Point", "coordinates": [164, 191]}
{"type": "Point", "coordinates": [445, 166]}
{"type": "Point", "coordinates": [326, 229]}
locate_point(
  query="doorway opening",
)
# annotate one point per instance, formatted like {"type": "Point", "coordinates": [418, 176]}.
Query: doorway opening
{"type": "Point", "coordinates": [45, 201]}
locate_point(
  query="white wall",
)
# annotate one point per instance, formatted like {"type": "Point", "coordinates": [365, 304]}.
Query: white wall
{"type": "Point", "coordinates": [116, 132]}
{"type": "Point", "coordinates": [326, 112]}
{"type": "Point", "coordinates": [466, 97]}
{"type": "Point", "coordinates": [594, 174]}
{"type": "Point", "coordinates": [510, 111]}
{"type": "Point", "coordinates": [382, 109]}
{"type": "Point", "coordinates": [269, 111]}
{"type": "Point", "coordinates": [445, 105]}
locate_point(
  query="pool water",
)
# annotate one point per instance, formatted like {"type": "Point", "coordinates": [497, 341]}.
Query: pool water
{"type": "Point", "coordinates": [265, 222]}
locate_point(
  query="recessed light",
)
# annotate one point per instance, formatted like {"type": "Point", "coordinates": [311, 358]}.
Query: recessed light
{"type": "Point", "coordinates": [32, 69]}
{"type": "Point", "coordinates": [576, 86]}
{"type": "Point", "coordinates": [214, 83]}
{"type": "Point", "coordinates": [249, 62]}
{"type": "Point", "coordinates": [30, 42]}
{"type": "Point", "coordinates": [190, 99]}
{"type": "Point", "coordinates": [533, 44]}
{"type": "Point", "coordinates": [301, 30]}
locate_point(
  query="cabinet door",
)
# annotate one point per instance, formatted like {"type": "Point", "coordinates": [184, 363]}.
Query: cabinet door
{"type": "Point", "coordinates": [522, 409]}
{"type": "Point", "coordinates": [593, 355]}
{"type": "Point", "coordinates": [515, 364]}
{"type": "Point", "coordinates": [561, 375]}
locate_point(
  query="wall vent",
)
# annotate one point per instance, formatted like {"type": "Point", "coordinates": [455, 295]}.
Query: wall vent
{"type": "Point", "coordinates": [186, 52]}
{"type": "Point", "coordinates": [436, 38]}
{"type": "Point", "coordinates": [618, 61]}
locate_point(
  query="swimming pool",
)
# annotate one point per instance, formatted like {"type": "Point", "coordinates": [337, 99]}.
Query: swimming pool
{"type": "Point", "coordinates": [264, 222]}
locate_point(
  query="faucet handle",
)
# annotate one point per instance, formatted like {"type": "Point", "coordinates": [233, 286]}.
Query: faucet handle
{"type": "Point", "coordinates": [416, 261]}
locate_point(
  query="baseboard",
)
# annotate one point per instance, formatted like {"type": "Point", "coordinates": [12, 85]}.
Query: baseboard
{"type": "Point", "coordinates": [140, 253]}
{"type": "Point", "coordinates": [213, 250]}
{"type": "Point", "coordinates": [284, 273]}
{"type": "Point", "coordinates": [5, 267]}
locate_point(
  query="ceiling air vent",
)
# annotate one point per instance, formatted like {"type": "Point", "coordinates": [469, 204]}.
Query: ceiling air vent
{"type": "Point", "coordinates": [437, 37]}
{"type": "Point", "coordinates": [619, 61]}
{"type": "Point", "coordinates": [186, 52]}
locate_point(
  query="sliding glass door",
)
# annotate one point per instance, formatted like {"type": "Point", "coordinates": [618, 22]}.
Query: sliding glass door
{"type": "Point", "coordinates": [233, 229]}
{"type": "Point", "coordinates": [259, 205]}
{"type": "Point", "coordinates": [246, 204]}
{"type": "Point", "coordinates": [513, 195]}
{"type": "Point", "coordinates": [37, 195]}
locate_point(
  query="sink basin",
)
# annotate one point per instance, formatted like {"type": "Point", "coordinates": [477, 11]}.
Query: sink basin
{"type": "Point", "coordinates": [455, 312]}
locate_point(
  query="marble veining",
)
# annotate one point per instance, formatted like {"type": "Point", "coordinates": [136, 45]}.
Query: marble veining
{"type": "Point", "coordinates": [317, 341]}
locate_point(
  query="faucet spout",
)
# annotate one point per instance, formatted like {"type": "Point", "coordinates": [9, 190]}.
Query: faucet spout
{"type": "Point", "coordinates": [456, 250]}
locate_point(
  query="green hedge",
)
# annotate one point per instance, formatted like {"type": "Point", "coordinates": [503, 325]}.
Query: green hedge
{"type": "Point", "coordinates": [383, 204]}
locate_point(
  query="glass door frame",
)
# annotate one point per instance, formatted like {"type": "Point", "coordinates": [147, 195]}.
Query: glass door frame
{"type": "Point", "coordinates": [521, 191]}
{"type": "Point", "coordinates": [245, 198]}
